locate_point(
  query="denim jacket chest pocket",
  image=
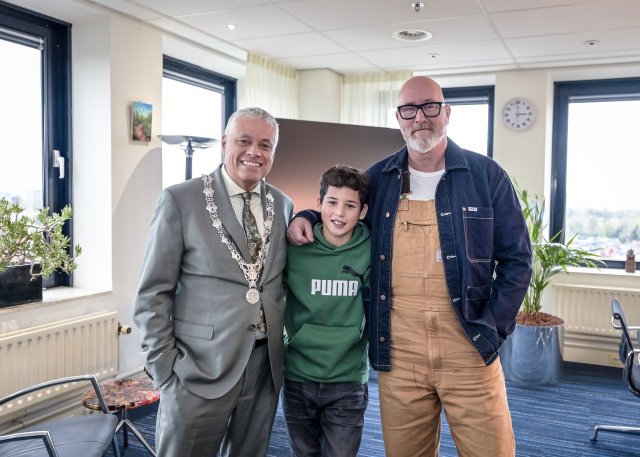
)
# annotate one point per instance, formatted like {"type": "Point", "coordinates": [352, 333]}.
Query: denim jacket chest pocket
{"type": "Point", "coordinates": [478, 233]}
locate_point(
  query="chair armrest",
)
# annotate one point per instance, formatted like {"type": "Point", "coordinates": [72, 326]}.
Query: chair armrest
{"type": "Point", "coordinates": [92, 378]}
{"type": "Point", "coordinates": [39, 435]}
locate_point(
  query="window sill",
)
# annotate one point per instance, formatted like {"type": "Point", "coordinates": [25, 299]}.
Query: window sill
{"type": "Point", "coordinates": [60, 294]}
{"type": "Point", "coordinates": [608, 278]}
{"type": "Point", "coordinates": [620, 272]}
{"type": "Point", "coordinates": [57, 295]}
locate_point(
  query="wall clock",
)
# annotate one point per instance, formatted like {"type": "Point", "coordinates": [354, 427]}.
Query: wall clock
{"type": "Point", "coordinates": [518, 114]}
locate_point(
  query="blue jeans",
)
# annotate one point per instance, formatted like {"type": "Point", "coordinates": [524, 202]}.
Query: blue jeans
{"type": "Point", "coordinates": [323, 419]}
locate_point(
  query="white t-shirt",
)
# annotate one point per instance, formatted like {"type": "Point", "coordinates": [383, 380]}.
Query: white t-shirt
{"type": "Point", "coordinates": [423, 184]}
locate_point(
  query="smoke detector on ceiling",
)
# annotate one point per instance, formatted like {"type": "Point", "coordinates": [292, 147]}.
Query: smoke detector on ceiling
{"type": "Point", "coordinates": [417, 6]}
{"type": "Point", "coordinates": [412, 35]}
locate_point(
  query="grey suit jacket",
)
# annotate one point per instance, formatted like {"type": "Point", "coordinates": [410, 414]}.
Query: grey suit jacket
{"type": "Point", "coordinates": [190, 308]}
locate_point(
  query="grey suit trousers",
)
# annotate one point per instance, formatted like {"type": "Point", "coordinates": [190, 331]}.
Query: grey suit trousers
{"type": "Point", "coordinates": [238, 424]}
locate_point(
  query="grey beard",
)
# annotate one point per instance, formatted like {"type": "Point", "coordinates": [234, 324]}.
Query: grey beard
{"type": "Point", "coordinates": [422, 144]}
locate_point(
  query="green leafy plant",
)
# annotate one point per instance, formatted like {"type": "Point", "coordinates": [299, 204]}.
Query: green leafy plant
{"type": "Point", "coordinates": [35, 240]}
{"type": "Point", "coordinates": [550, 256]}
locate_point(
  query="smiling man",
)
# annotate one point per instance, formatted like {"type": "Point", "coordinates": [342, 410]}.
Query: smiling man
{"type": "Point", "coordinates": [210, 300]}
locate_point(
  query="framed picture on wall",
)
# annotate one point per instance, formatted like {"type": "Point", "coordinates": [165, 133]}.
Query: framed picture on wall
{"type": "Point", "coordinates": [141, 121]}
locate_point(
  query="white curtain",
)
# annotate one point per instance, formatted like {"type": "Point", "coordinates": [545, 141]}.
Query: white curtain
{"type": "Point", "coordinates": [271, 86]}
{"type": "Point", "coordinates": [370, 99]}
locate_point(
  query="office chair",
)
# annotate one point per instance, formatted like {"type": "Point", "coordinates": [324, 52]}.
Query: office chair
{"type": "Point", "coordinates": [631, 373]}
{"type": "Point", "coordinates": [79, 436]}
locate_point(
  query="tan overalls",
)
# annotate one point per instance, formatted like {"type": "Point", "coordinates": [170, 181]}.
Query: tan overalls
{"type": "Point", "coordinates": [433, 363]}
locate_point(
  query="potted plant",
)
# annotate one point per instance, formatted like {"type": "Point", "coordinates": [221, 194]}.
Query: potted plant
{"type": "Point", "coordinates": [532, 354]}
{"type": "Point", "coordinates": [31, 247]}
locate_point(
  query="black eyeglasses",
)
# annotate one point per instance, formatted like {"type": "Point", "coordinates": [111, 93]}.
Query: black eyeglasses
{"type": "Point", "coordinates": [429, 109]}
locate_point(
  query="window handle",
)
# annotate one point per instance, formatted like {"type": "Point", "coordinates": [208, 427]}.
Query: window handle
{"type": "Point", "coordinates": [58, 162]}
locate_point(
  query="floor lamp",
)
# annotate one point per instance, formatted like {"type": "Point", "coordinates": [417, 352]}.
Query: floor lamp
{"type": "Point", "coordinates": [188, 144]}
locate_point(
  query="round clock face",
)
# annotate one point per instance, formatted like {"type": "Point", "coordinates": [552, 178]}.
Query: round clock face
{"type": "Point", "coordinates": [518, 114]}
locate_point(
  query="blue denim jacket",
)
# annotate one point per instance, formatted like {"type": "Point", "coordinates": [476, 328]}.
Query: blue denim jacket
{"type": "Point", "coordinates": [484, 242]}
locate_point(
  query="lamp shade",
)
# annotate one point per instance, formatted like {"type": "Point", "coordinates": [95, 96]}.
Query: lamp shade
{"type": "Point", "coordinates": [188, 144]}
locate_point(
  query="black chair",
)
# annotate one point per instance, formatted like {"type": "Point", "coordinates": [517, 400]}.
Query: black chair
{"type": "Point", "coordinates": [631, 373]}
{"type": "Point", "coordinates": [79, 436]}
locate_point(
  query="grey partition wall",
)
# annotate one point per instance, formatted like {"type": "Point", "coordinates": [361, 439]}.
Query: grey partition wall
{"type": "Point", "coordinates": [307, 148]}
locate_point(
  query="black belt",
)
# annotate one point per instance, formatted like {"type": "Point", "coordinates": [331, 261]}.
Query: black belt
{"type": "Point", "coordinates": [260, 342]}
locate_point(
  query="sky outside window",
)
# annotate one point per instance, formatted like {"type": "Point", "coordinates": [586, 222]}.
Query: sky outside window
{"type": "Point", "coordinates": [603, 166]}
{"type": "Point", "coordinates": [193, 111]}
{"type": "Point", "coordinates": [21, 126]}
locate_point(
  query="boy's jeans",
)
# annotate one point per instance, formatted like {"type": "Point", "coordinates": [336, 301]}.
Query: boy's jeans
{"type": "Point", "coordinates": [323, 419]}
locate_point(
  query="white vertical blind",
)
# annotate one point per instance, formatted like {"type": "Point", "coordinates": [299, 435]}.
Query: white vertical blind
{"type": "Point", "coordinates": [367, 99]}
{"type": "Point", "coordinates": [272, 87]}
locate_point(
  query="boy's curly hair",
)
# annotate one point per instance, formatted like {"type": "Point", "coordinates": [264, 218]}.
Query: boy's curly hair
{"type": "Point", "coordinates": [345, 176]}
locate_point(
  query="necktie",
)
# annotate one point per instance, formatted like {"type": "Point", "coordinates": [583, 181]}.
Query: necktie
{"type": "Point", "coordinates": [254, 241]}
{"type": "Point", "coordinates": [250, 227]}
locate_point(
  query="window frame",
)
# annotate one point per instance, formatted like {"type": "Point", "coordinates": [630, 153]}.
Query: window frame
{"type": "Point", "coordinates": [56, 107]}
{"type": "Point", "coordinates": [566, 92]}
{"type": "Point", "coordinates": [474, 95]}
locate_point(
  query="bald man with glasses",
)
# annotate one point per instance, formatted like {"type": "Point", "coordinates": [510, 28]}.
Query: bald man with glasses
{"type": "Point", "coordinates": [451, 262]}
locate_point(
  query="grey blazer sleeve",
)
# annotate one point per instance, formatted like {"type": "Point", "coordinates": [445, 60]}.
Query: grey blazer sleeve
{"type": "Point", "coordinates": [157, 286]}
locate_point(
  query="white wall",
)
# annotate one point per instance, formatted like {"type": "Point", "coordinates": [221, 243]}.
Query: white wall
{"type": "Point", "coordinates": [524, 154]}
{"type": "Point", "coordinates": [136, 75]}
{"type": "Point", "coordinates": [92, 151]}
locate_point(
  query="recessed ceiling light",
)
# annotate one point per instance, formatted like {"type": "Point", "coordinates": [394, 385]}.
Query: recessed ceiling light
{"type": "Point", "coordinates": [591, 42]}
{"type": "Point", "coordinates": [412, 35]}
{"type": "Point", "coordinates": [230, 26]}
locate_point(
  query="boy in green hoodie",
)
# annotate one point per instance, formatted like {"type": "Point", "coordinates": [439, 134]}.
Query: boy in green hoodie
{"type": "Point", "coordinates": [326, 368]}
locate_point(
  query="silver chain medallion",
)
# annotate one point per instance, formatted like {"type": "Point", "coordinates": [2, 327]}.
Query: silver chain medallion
{"type": "Point", "coordinates": [251, 271]}
{"type": "Point", "coordinates": [252, 295]}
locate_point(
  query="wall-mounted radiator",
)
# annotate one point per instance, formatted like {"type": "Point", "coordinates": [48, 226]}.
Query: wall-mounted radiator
{"type": "Point", "coordinates": [82, 345]}
{"type": "Point", "coordinates": [589, 336]}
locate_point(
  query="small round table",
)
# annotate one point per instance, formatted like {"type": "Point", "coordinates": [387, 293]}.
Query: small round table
{"type": "Point", "coordinates": [121, 396]}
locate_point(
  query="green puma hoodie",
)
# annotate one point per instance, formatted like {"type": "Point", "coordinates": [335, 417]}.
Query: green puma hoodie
{"type": "Point", "coordinates": [324, 314]}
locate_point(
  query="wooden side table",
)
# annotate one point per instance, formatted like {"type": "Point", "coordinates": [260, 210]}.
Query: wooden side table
{"type": "Point", "coordinates": [124, 395]}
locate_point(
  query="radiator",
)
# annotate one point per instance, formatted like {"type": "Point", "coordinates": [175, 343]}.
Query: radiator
{"type": "Point", "coordinates": [589, 336]}
{"type": "Point", "coordinates": [86, 344]}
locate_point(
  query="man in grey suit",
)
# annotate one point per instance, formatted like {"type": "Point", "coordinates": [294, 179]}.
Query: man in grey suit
{"type": "Point", "coordinates": [210, 300]}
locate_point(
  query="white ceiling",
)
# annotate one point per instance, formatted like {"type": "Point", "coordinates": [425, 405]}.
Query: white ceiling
{"type": "Point", "coordinates": [355, 36]}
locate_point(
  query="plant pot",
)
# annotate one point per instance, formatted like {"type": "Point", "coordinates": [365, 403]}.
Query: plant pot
{"type": "Point", "coordinates": [17, 287]}
{"type": "Point", "coordinates": [532, 355]}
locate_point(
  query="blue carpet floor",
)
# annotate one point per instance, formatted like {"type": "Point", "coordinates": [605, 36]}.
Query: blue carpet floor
{"type": "Point", "coordinates": [548, 421]}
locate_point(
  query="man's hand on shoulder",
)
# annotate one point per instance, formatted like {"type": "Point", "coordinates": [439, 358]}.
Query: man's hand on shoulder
{"type": "Point", "coordinates": [300, 231]}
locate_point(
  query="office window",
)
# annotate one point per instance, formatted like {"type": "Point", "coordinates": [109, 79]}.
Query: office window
{"type": "Point", "coordinates": [471, 123]}
{"type": "Point", "coordinates": [595, 166]}
{"type": "Point", "coordinates": [197, 103]}
{"type": "Point", "coordinates": [35, 113]}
